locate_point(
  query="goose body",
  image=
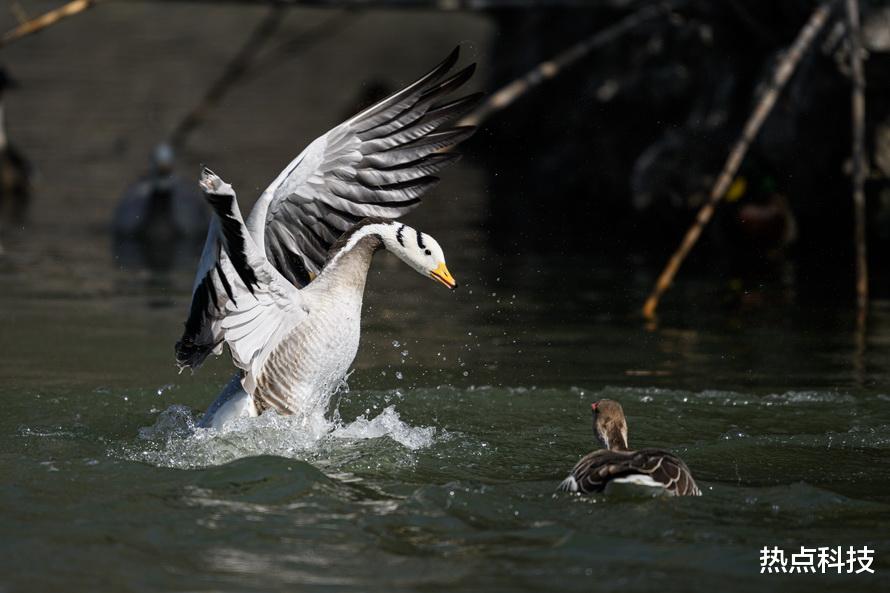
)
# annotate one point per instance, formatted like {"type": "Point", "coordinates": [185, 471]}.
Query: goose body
{"type": "Point", "coordinates": [307, 365]}
{"type": "Point", "coordinates": [283, 289]}
{"type": "Point", "coordinates": [616, 468]}
{"type": "Point", "coordinates": [294, 346]}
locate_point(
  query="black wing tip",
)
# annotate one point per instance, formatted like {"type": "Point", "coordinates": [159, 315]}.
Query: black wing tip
{"type": "Point", "coordinates": [190, 355]}
{"type": "Point", "coordinates": [451, 83]}
{"type": "Point", "coordinates": [451, 60]}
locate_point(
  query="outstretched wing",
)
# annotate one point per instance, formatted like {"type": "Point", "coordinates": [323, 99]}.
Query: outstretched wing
{"type": "Point", "coordinates": [376, 164]}
{"type": "Point", "coordinates": [261, 305]}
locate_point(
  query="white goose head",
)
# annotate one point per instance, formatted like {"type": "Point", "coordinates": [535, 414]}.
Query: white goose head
{"type": "Point", "coordinates": [418, 250]}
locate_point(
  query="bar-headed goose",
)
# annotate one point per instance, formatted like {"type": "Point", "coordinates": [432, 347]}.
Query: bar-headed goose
{"type": "Point", "coordinates": [284, 288]}
{"type": "Point", "coordinates": [653, 470]}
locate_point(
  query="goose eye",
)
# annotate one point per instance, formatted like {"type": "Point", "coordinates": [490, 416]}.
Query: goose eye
{"type": "Point", "coordinates": [427, 251]}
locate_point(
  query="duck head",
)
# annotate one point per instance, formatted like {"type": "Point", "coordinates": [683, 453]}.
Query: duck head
{"type": "Point", "coordinates": [418, 250]}
{"type": "Point", "coordinates": [609, 424]}
{"type": "Point", "coordinates": [162, 159]}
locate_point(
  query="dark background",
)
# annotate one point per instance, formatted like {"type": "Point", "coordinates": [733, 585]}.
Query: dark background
{"type": "Point", "coordinates": [612, 157]}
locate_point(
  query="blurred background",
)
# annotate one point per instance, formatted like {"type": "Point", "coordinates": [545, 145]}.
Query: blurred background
{"type": "Point", "coordinates": [612, 156]}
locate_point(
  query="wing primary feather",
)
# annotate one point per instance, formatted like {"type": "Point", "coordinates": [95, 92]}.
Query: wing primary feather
{"type": "Point", "coordinates": [450, 84]}
{"type": "Point", "coordinates": [225, 283]}
{"type": "Point", "coordinates": [430, 121]}
{"type": "Point", "coordinates": [416, 150]}
{"type": "Point", "coordinates": [196, 344]}
{"type": "Point", "coordinates": [377, 113]}
{"type": "Point", "coordinates": [401, 173]}
{"type": "Point", "coordinates": [421, 183]}
{"type": "Point", "coordinates": [233, 238]}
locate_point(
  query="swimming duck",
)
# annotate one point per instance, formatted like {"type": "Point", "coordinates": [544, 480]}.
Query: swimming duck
{"type": "Point", "coordinates": [161, 218]}
{"type": "Point", "coordinates": [15, 171]}
{"type": "Point", "coordinates": [284, 288]}
{"type": "Point", "coordinates": [653, 470]}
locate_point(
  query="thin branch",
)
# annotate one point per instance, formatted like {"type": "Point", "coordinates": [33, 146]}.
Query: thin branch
{"type": "Point", "coordinates": [301, 42]}
{"type": "Point", "coordinates": [47, 19]}
{"type": "Point", "coordinates": [548, 69]}
{"type": "Point", "coordinates": [780, 77]}
{"type": "Point", "coordinates": [232, 73]}
{"type": "Point", "coordinates": [859, 168]}
{"type": "Point", "coordinates": [440, 5]}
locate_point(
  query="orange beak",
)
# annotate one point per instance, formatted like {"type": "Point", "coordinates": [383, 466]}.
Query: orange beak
{"type": "Point", "coordinates": [442, 275]}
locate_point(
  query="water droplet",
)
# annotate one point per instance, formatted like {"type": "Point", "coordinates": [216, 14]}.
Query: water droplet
{"type": "Point", "coordinates": [399, 375]}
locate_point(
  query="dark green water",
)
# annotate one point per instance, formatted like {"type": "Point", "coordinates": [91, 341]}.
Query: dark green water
{"type": "Point", "coordinates": [465, 411]}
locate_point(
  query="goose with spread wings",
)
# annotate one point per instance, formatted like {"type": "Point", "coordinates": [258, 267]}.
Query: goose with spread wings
{"type": "Point", "coordinates": [283, 288]}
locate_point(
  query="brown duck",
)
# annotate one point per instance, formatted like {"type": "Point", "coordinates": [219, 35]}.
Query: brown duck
{"type": "Point", "coordinates": [599, 471]}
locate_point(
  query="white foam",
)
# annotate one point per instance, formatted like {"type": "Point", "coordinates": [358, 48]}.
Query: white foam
{"type": "Point", "coordinates": [175, 440]}
{"type": "Point", "coordinates": [387, 423]}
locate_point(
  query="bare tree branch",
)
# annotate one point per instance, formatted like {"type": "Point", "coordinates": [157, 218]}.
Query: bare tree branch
{"type": "Point", "coordinates": [231, 74]}
{"type": "Point", "coordinates": [859, 167]}
{"type": "Point", "coordinates": [780, 77]}
{"type": "Point", "coordinates": [47, 19]}
{"type": "Point", "coordinates": [551, 68]}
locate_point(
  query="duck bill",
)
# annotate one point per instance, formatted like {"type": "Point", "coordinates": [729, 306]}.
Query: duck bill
{"type": "Point", "coordinates": [443, 276]}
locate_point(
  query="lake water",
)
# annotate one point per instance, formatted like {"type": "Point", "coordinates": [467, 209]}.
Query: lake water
{"type": "Point", "coordinates": [438, 472]}
{"type": "Point", "coordinates": [465, 409]}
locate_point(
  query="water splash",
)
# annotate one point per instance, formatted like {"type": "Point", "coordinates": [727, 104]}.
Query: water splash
{"type": "Point", "coordinates": [174, 440]}
{"type": "Point", "coordinates": [388, 424]}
